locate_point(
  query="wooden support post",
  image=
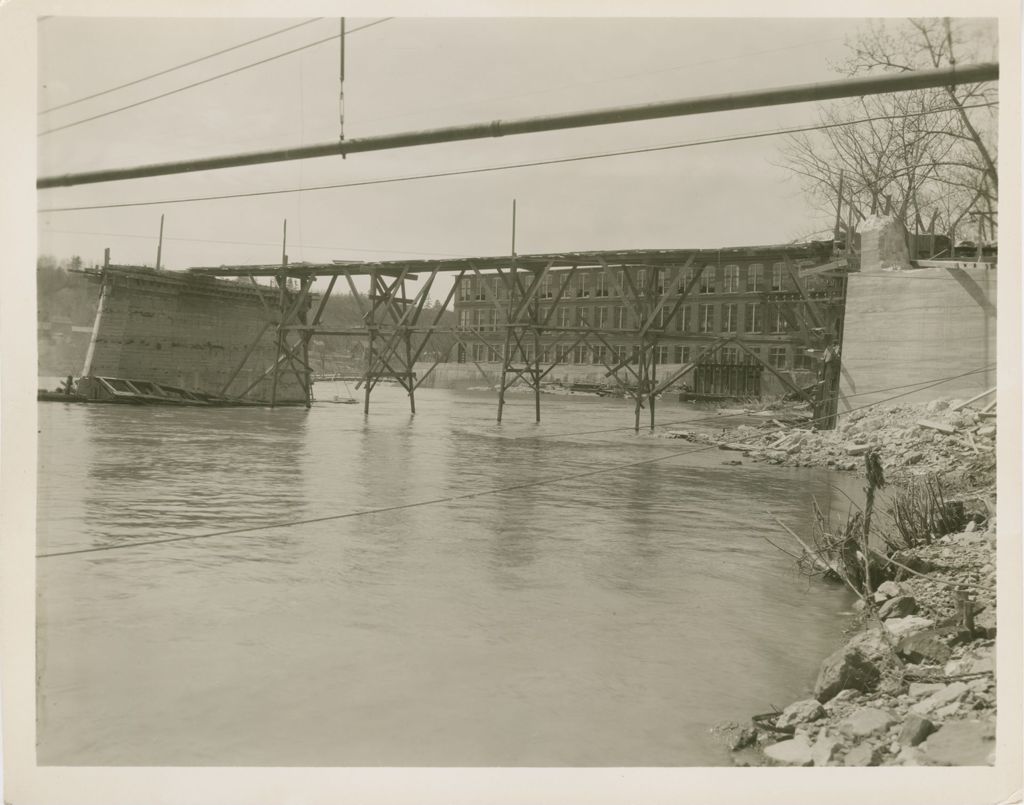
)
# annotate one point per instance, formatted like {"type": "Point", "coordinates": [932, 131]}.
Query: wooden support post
{"type": "Point", "coordinates": [652, 385]}
{"type": "Point", "coordinates": [371, 327]}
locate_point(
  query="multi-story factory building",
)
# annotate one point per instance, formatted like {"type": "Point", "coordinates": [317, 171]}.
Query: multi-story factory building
{"type": "Point", "coordinates": [758, 296]}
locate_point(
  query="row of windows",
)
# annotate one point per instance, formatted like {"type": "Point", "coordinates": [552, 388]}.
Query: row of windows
{"type": "Point", "coordinates": [777, 356]}
{"type": "Point", "coordinates": [605, 283]}
{"type": "Point", "coordinates": [733, 317]}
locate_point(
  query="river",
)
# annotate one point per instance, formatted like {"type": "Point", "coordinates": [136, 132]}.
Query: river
{"type": "Point", "coordinates": [606, 620]}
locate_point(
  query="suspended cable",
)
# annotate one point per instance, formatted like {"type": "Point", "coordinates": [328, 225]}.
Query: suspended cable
{"type": "Point", "coordinates": [514, 166]}
{"type": "Point", "coordinates": [210, 79]}
{"type": "Point", "coordinates": [178, 66]}
{"type": "Point", "coordinates": [428, 502]}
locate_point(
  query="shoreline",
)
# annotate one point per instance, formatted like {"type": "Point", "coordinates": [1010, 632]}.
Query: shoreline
{"type": "Point", "coordinates": [913, 681]}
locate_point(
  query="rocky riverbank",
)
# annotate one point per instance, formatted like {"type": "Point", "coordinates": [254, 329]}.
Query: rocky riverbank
{"type": "Point", "coordinates": [914, 682]}
{"type": "Point", "coordinates": [940, 437]}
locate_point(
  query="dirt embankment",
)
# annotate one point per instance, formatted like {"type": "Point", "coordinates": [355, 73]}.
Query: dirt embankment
{"type": "Point", "coordinates": [914, 682]}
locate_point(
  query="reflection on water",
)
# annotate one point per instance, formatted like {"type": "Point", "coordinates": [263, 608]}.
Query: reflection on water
{"type": "Point", "coordinates": [608, 619]}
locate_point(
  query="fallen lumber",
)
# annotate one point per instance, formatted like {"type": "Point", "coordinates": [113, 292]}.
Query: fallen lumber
{"type": "Point", "coordinates": [942, 427]}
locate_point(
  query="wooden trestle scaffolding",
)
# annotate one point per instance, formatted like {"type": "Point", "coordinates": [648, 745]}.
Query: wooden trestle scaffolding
{"type": "Point", "coordinates": [397, 326]}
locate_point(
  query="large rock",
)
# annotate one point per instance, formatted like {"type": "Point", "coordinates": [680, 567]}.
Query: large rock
{"type": "Point", "coordinates": [985, 624]}
{"type": "Point", "coordinates": [795, 752]}
{"type": "Point", "coordinates": [962, 743]}
{"type": "Point", "coordinates": [901, 627]}
{"type": "Point", "coordinates": [825, 749]}
{"type": "Point", "coordinates": [949, 694]}
{"type": "Point", "coordinates": [800, 713]}
{"type": "Point", "coordinates": [864, 754]}
{"type": "Point", "coordinates": [898, 607]}
{"type": "Point", "coordinates": [854, 666]}
{"type": "Point", "coordinates": [866, 721]}
{"type": "Point", "coordinates": [923, 646]}
{"type": "Point", "coordinates": [888, 589]}
{"type": "Point", "coordinates": [915, 729]}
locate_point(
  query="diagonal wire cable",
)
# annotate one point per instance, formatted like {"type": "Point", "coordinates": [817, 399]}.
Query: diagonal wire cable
{"type": "Point", "coordinates": [210, 79]}
{"type": "Point", "coordinates": [177, 67]}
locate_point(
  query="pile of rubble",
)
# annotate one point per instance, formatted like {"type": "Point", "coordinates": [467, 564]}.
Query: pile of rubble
{"type": "Point", "coordinates": [915, 686]}
{"type": "Point", "coordinates": [925, 439]}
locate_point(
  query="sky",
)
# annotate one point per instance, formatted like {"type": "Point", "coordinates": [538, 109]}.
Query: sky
{"type": "Point", "coordinates": [409, 73]}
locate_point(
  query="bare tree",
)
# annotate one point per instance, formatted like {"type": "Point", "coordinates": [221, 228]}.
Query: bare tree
{"type": "Point", "coordinates": [927, 157]}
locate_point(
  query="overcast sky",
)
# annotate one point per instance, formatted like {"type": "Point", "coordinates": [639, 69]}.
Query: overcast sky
{"type": "Point", "coordinates": [410, 73]}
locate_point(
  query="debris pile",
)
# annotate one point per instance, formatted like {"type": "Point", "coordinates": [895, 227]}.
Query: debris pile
{"type": "Point", "coordinates": [925, 439]}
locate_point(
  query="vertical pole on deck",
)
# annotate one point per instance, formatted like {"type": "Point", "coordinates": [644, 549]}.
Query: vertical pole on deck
{"type": "Point", "coordinates": [160, 243]}
{"type": "Point", "coordinates": [341, 83]}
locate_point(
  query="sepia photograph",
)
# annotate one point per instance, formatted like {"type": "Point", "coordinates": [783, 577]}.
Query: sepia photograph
{"type": "Point", "coordinates": [543, 392]}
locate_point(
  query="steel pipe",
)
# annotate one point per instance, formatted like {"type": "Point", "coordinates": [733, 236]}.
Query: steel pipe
{"type": "Point", "coordinates": [777, 96]}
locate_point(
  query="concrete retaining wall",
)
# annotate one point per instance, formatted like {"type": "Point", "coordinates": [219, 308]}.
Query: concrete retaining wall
{"type": "Point", "coordinates": [917, 326]}
{"type": "Point", "coordinates": [186, 331]}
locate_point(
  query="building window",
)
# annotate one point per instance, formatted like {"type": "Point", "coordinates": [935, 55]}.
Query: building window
{"type": "Point", "coordinates": [730, 355]}
{"type": "Point", "coordinates": [486, 319]}
{"type": "Point", "coordinates": [602, 318]}
{"type": "Point", "coordinates": [777, 357]}
{"type": "Point", "coordinates": [621, 319]}
{"type": "Point", "coordinates": [465, 289]}
{"type": "Point", "coordinates": [582, 316]}
{"type": "Point", "coordinates": [706, 318]}
{"type": "Point", "coordinates": [497, 288]}
{"type": "Point", "coordinates": [707, 280]}
{"type": "Point", "coordinates": [801, 360]}
{"type": "Point", "coordinates": [688, 276]}
{"type": "Point", "coordinates": [600, 284]}
{"type": "Point", "coordinates": [659, 281]}
{"type": "Point", "coordinates": [621, 354]}
{"type": "Point", "coordinates": [730, 316]}
{"type": "Point", "coordinates": [641, 280]}
{"type": "Point", "coordinates": [755, 277]}
{"type": "Point", "coordinates": [580, 355]}
{"type": "Point", "coordinates": [731, 279]}
{"type": "Point", "coordinates": [565, 316]}
{"type": "Point", "coordinates": [545, 287]}
{"type": "Point", "coordinates": [479, 352]}
{"type": "Point", "coordinates": [684, 319]}
{"type": "Point", "coordinates": [777, 276]}
{"type": "Point", "coordinates": [754, 320]}
{"type": "Point", "coordinates": [581, 286]}
{"type": "Point", "coordinates": [776, 319]}
{"type": "Point", "coordinates": [685, 358]}
{"type": "Point", "coordinates": [600, 354]}
{"type": "Point", "coordinates": [464, 319]}
{"type": "Point", "coordinates": [661, 354]}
